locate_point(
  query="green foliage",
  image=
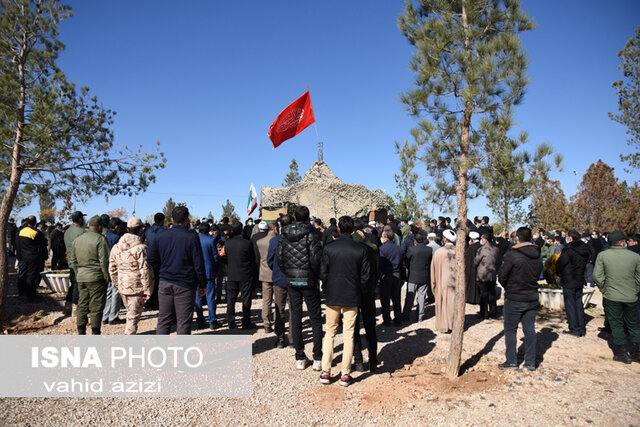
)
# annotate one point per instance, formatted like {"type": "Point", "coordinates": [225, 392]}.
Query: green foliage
{"type": "Point", "coordinates": [210, 216]}
{"type": "Point", "coordinates": [605, 204]}
{"type": "Point", "coordinates": [470, 69]}
{"type": "Point", "coordinates": [168, 209]}
{"type": "Point", "coordinates": [406, 203]}
{"type": "Point", "coordinates": [293, 176]}
{"type": "Point", "coordinates": [47, 206]}
{"type": "Point", "coordinates": [549, 207]}
{"type": "Point", "coordinates": [66, 146]}
{"type": "Point", "coordinates": [229, 211]}
{"type": "Point", "coordinates": [628, 90]}
{"type": "Point", "coordinates": [510, 172]}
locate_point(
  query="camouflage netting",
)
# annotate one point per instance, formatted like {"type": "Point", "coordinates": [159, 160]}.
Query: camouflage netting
{"type": "Point", "coordinates": [325, 195]}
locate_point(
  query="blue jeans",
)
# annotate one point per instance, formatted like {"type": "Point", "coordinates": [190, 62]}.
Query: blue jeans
{"type": "Point", "coordinates": [514, 313]}
{"type": "Point", "coordinates": [574, 309]}
{"type": "Point", "coordinates": [211, 303]}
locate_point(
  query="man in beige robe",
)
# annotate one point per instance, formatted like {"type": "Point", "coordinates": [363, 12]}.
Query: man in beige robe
{"type": "Point", "coordinates": [443, 282]}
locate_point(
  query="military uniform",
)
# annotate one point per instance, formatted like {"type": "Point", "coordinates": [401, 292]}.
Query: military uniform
{"type": "Point", "coordinates": [89, 259]}
{"type": "Point", "coordinates": [70, 235]}
{"type": "Point", "coordinates": [132, 276]}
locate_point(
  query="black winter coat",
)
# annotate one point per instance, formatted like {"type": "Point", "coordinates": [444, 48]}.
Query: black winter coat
{"type": "Point", "coordinates": [572, 264]}
{"type": "Point", "coordinates": [418, 261]}
{"type": "Point", "coordinates": [241, 261]}
{"type": "Point", "coordinates": [595, 247]}
{"type": "Point", "coordinates": [345, 272]}
{"type": "Point", "coordinates": [57, 241]}
{"type": "Point", "coordinates": [300, 254]}
{"type": "Point", "coordinates": [520, 272]}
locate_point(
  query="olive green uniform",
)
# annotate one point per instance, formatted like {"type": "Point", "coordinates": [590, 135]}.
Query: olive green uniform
{"type": "Point", "coordinates": [89, 259]}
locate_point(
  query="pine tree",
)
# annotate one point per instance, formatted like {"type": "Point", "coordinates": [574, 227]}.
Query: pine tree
{"type": "Point", "coordinates": [56, 137]}
{"type": "Point", "coordinates": [293, 176]}
{"type": "Point", "coordinates": [628, 90]}
{"type": "Point", "coordinates": [229, 211]}
{"type": "Point", "coordinates": [167, 210]}
{"type": "Point", "coordinates": [406, 203]}
{"type": "Point", "coordinates": [549, 207]}
{"type": "Point", "coordinates": [511, 172]}
{"type": "Point", "coordinates": [210, 216]}
{"type": "Point", "coordinates": [47, 206]}
{"type": "Point", "coordinates": [602, 203]}
{"type": "Point", "coordinates": [469, 68]}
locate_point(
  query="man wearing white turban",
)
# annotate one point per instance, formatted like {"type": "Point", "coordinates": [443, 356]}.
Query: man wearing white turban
{"type": "Point", "coordinates": [443, 281]}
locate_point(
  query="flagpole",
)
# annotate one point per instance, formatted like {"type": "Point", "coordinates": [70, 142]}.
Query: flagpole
{"type": "Point", "coordinates": [320, 154]}
{"type": "Point", "coordinates": [320, 146]}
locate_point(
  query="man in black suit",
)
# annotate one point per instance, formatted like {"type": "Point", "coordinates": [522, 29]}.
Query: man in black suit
{"type": "Point", "coordinates": [418, 261]}
{"type": "Point", "coordinates": [241, 268]}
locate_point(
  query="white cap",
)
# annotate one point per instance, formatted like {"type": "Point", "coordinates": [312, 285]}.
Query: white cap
{"type": "Point", "coordinates": [474, 235]}
{"type": "Point", "coordinates": [262, 225]}
{"type": "Point", "coordinates": [372, 223]}
{"type": "Point", "coordinates": [450, 235]}
{"type": "Point", "coordinates": [432, 236]}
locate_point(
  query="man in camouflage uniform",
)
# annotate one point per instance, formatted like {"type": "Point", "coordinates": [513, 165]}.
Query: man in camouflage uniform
{"type": "Point", "coordinates": [89, 259]}
{"type": "Point", "coordinates": [130, 273]}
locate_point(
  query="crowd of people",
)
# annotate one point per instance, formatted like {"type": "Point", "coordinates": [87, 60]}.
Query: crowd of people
{"type": "Point", "coordinates": [344, 265]}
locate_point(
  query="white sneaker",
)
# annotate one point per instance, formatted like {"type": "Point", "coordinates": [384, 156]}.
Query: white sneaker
{"type": "Point", "coordinates": [302, 364]}
{"type": "Point", "coordinates": [317, 365]}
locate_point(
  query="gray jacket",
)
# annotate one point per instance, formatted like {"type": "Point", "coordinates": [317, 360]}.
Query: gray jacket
{"type": "Point", "coordinates": [485, 263]}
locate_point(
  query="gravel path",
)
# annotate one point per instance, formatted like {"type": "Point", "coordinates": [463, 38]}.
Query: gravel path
{"type": "Point", "coordinates": [577, 383]}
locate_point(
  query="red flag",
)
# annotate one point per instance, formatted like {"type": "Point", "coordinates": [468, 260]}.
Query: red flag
{"type": "Point", "coordinates": [292, 120]}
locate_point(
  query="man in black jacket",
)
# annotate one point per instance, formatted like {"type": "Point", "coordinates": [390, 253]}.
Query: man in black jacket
{"type": "Point", "coordinates": [177, 255]}
{"type": "Point", "coordinates": [299, 256]}
{"type": "Point", "coordinates": [518, 276]}
{"type": "Point", "coordinates": [418, 261]}
{"type": "Point", "coordinates": [367, 309]}
{"type": "Point", "coordinates": [241, 268]}
{"type": "Point", "coordinates": [571, 268]}
{"type": "Point", "coordinates": [12, 232]}
{"type": "Point", "coordinates": [32, 251]}
{"type": "Point", "coordinates": [345, 273]}
{"type": "Point", "coordinates": [58, 248]}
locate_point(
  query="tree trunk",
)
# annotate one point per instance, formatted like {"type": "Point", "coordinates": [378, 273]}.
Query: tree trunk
{"type": "Point", "coordinates": [455, 350]}
{"type": "Point", "coordinates": [10, 196]}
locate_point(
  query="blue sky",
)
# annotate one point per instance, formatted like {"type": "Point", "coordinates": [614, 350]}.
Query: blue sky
{"type": "Point", "coordinates": [207, 78]}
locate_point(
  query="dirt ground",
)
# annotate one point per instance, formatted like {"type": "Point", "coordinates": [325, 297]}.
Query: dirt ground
{"type": "Point", "coordinates": [576, 383]}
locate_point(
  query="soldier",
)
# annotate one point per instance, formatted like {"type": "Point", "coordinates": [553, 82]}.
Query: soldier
{"type": "Point", "coordinates": [130, 273]}
{"type": "Point", "coordinates": [74, 230]}
{"type": "Point", "coordinates": [89, 259]}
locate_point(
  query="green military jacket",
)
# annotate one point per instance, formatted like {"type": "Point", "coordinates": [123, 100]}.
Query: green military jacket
{"type": "Point", "coordinates": [405, 230]}
{"type": "Point", "coordinates": [89, 257]}
{"type": "Point", "coordinates": [71, 234]}
{"type": "Point", "coordinates": [617, 274]}
{"type": "Point", "coordinates": [547, 251]}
